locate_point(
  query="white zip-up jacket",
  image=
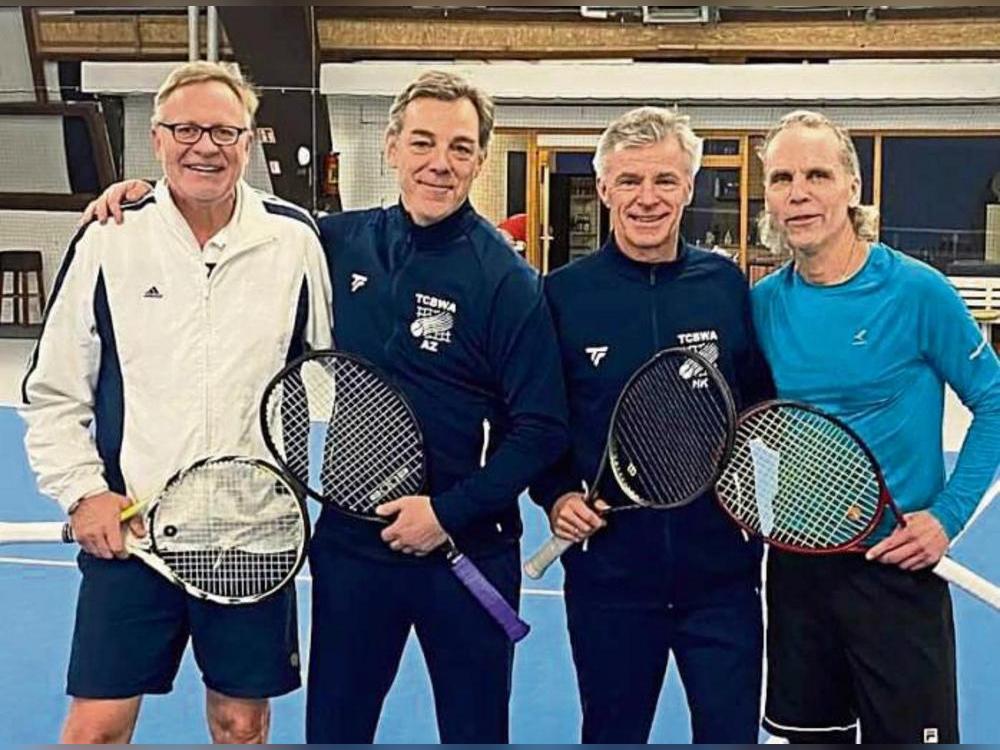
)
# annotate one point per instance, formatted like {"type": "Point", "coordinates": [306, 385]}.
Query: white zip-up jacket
{"type": "Point", "coordinates": [154, 352]}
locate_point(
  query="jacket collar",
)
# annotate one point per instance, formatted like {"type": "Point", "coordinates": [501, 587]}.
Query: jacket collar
{"type": "Point", "coordinates": [650, 272]}
{"type": "Point", "coordinates": [248, 226]}
{"type": "Point", "coordinates": [440, 232]}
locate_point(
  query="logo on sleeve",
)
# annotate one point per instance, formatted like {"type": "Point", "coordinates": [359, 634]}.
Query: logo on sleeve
{"type": "Point", "coordinates": [357, 282]}
{"type": "Point", "coordinates": [434, 321]}
{"type": "Point", "coordinates": [596, 354]}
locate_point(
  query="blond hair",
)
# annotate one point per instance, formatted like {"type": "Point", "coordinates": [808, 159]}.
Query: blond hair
{"type": "Point", "coordinates": [647, 126]}
{"type": "Point", "coordinates": [864, 219]}
{"type": "Point", "coordinates": [445, 87]}
{"type": "Point", "coordinates": [203, 72]}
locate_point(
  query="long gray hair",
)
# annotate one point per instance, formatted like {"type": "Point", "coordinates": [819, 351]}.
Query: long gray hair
{"type": "Point", "coordinates": [864, 219]}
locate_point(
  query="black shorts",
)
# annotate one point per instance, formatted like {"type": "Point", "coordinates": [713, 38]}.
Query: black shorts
{"type": "Point", "coordinates": [132, 627]}
{"type": "Point", "coordinates": [852, 641]}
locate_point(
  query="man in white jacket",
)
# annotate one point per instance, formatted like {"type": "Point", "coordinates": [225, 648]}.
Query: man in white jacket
{"type": "Point", "coordinates": [159, 338]}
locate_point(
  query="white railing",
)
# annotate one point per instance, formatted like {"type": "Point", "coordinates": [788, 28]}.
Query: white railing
{"type": "Point", "coordinates": [982, 295]}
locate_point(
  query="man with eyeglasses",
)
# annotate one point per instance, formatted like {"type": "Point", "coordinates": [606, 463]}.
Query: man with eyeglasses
{"type": "Point", "coordinates": [491, 358]}
{"type": "Point", "coordinates": [159, 338]}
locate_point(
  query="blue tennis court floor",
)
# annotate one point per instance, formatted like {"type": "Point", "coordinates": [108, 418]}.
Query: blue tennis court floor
{"type": "Point", "coordinates": [38, 587]}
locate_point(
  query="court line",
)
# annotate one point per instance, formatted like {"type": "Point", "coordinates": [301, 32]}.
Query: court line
{"type": "Point", "coordinates": [39, 562]}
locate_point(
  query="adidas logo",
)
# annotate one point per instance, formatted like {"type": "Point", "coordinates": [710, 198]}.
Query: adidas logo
{"type": "Point", "coordinates": [153, 293]}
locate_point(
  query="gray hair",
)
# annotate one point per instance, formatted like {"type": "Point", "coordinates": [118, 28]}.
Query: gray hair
{"type": "Point", "coordinates": [864, 219]}
{"type": "Point", "coordinates": [446, 87]}
{"type": "Point", "coordinates": [647, 126]}
{"type": "Point", "coordinates": [204, 72]}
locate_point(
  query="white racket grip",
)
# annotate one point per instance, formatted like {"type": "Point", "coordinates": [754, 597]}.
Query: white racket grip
{"type": "Point", "coordinates": [965, 579]}
{"type": "Point", "coordinates": [29, 533]}
{"type": "Point", "coordinates": [547, 554]}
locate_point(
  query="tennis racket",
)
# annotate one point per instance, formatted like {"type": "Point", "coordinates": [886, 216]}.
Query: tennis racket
{"type": "Point", "coordinates": [805, 482]}
{"type": "Point", "coordinates": [339, 407]}
{"type": "Point", "coordinates": [228, 530]}
{"type": "Point", "coordinates": [670, 433]}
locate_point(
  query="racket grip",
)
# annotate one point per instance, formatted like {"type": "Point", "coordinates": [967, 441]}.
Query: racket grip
{"type": "Point", "coordinates": [30, 533]}
{"type": "Point", "coordinates": [547, 554]}
{"type": "Point", "coordinates": [970, 582]}
{"type": "Point", "coordinates": [488, 597]}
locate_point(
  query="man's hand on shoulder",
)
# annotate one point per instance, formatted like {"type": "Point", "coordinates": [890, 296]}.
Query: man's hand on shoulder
{"type": "Point", "coordinates": [109, 203]}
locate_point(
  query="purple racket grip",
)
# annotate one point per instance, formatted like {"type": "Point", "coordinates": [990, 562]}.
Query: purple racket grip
{"type": "Point", "coordinates": [488, 596]}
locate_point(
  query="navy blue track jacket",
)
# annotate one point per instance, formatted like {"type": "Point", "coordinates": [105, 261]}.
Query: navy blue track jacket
{"type": "Point", "coordinates": [459, 323]}
{"type": "Point", "coordinates": [612, 314]}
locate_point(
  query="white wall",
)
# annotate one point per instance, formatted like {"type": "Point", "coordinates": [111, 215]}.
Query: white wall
{"type": "Point", "coordinates": [33, 155]}
{"type": "Point", "coordinates": [16, 81]}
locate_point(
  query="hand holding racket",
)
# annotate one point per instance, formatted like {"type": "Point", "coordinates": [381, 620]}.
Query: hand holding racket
{"type": "Point", "coordinates": [573, 517]}
{"type": "Point", "coordinates": [805, 482]}
{"type": "Point", "coordinates": [228, 530]}
{"type": "Point", "coordinates": [98, 524]}
{"type": "Point", "coordinates": [670, 433]}
{"type": "Point", "coordinates": [336, 406]}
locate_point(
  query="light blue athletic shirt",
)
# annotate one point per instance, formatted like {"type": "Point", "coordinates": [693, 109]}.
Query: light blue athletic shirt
{"type": "Point", "coordinates": [876, 352]}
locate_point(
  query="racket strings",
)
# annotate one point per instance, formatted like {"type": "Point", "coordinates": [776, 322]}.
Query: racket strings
{"type": "Point", "coordinates": [799, 479]}
{"type": "Point", "coordinates": [827, 521]}
{"type": "Point", "coordinates": [289, 420]}
{"type": "Point", "coordinates": [229, 528]}
{"type": "Point", "coordinates": [232, 573]}
{"type": "Point", "coordinates": [371, 441]}
{"type": "Point", "coordinates": [689, 418]}
{"type": "Point", "coordinates": [657, 413]}
{"type": "Point", "coordinates": [366, 445]}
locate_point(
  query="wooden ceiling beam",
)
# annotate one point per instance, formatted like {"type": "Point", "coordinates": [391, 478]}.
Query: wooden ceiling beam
{"type": "Point", "coordinates": [380, 37]}
{"type": "Point", "coordinates": [139, 36]}
{"type": "Point", "coordinates": [125, 36]}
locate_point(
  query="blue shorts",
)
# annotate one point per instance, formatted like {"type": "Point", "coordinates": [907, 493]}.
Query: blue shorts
{"type": "Point", "coordinates": [132, 627]}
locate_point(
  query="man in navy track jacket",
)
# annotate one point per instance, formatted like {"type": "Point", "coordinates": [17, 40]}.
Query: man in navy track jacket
{"type": "Point", "coordinates": [652, 582]}
{"type": "Point", "coordinates": [430, 293]}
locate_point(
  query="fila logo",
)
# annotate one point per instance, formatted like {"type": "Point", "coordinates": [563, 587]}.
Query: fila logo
{"type": "Point", "coordinates": [931, 736]}
{"type": "Point", "coordinates": [153, 293]}
{"type": "Point", "coordinates": [596, 354]}
{"type": "Point", "coordinates": [357, 282]}
{"type": "Point", "coordinates": [859, 338]}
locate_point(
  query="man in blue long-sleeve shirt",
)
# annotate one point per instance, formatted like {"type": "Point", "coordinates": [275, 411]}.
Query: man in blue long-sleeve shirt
{"type": "Point", "coordinates": [870, 336]}
{"type": "Point", "coordinates": [653, 582]}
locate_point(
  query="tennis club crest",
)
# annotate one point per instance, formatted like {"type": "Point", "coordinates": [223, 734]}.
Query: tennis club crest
{"type": "Point", "coordinates": [434, 321]}
{"type": "Point", "coordinates": [705, 343]}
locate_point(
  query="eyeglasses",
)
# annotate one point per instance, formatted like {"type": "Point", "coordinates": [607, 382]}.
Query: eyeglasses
{"type": "Point", "coordinates": [189, 133]}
